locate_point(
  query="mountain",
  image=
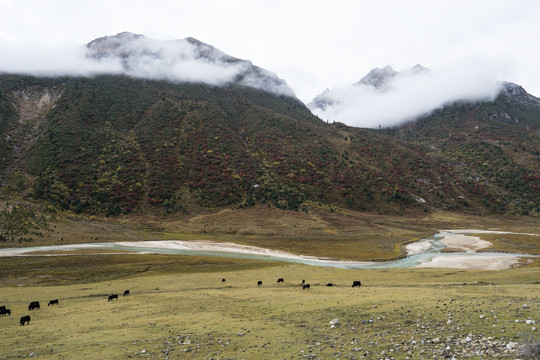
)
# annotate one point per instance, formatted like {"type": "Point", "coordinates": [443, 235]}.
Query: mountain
{"type": "Point", "coordinates": [120, 144]}
{"type": "Point", "coordinates": [182, 60]}
{"type": "Point", "coordinates": [493, 146]}
{"type": "Point", "coordinates": [377, 79]}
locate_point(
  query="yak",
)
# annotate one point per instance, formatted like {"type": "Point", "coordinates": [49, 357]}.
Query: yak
{"type": "Point", "coordinates": [5, 311]}
{"type": "Point", "coordinates": [25, 319]}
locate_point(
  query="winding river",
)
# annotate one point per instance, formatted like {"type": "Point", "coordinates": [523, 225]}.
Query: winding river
{"type": "Point", "coordinates": [460, 247]}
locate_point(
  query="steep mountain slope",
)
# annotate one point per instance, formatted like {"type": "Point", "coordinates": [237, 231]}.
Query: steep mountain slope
{"type": "Point", "coordinates": [494, 147]}
{"type": "Point", "coordinates": [112, 145]}
{"type": "Point", "coordinates": [122, 143]}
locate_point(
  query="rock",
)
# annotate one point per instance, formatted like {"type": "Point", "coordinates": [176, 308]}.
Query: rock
{"type": "Point", "coordinates": [511, 345]}
{"type": "Point", "coordinates": [525, 306]}
{"type": "Point", "coordinates": [449, 322]}
{"type": "Point", "coordinates": [530, 322]}
{"type": "Point", "coordinates": [143, 351]}
{"type": "Point", "coordinates": [240, 334]}
{"type": "Point", "coordinates": [31, 354]}
{"type": "Point", "coordinates": [482, 316]}
{"type": "Point", "coordinates": [334, 322]}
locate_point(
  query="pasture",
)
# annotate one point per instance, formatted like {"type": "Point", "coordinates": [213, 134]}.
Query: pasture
{"type": "Point", "coordinates": [179, 308]}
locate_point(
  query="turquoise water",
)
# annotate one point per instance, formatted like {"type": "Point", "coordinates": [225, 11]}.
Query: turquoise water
{"type": "Point", "coordinates": [407, 262]}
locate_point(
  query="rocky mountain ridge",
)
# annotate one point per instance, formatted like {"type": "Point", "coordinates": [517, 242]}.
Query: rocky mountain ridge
{"type": "Point", "coordinates": [183, 60]}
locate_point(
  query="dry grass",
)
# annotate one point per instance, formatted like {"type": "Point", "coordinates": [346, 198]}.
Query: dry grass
{"type": "Point", "coordinates": [195, 315]}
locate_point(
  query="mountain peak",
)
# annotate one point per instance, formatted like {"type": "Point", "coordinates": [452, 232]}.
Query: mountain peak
{"type": "Point", "coordinates": [378, 77]}
{"type": "Point", "coordinates": [184, 60]}
{"type": "Point", "coordinates": [110, 45]}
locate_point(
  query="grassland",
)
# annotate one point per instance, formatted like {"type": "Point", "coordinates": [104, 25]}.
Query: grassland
{"type": "Point", "coordinates": [181, 309]}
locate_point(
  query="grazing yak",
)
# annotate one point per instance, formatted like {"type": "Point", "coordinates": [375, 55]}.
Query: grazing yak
{"type": "Point", "coordinates": [280, 280]}
{"type": "Point", "coordinates": [33, 305]}
{"type": "Point", "coordinates": [305, 286]}
{"type": "Point", "coordinates": [329, 284]}
{"type": "Point", "coordinates": [259, 283]}
{"type": "Point", "coordinates": [356, 283]}
{"type": "Point", "coordinates": [53, 302]}
{"type": "Point", "coordinates": [223, 280]}
{"type": "Point", "coordinates": [4, 311]}
{"type": "Point", "coordinates": [303, 282]}
{"type": "Point", "coordinates": [25, 319]}
{"type": "Point", "coordinates": [126, 292]}
{"type": "Point", "coordinates": [112, 297]}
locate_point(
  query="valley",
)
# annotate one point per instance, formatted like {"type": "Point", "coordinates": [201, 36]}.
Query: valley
{"type": "Point", "coordinates": [190, 191]}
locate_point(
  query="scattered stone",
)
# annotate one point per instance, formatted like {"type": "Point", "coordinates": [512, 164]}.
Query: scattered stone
{"type": "Point", "coordinates": [334, 322]}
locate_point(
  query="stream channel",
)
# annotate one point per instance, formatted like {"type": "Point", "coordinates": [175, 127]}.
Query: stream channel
{"type": "Point", "coordinates": [423, 253]}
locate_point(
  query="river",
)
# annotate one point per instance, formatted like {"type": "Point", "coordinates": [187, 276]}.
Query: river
{"type": "Point", "coordinates": [423, 253]}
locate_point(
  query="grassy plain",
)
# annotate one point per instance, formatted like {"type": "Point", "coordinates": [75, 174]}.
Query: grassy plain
{"type": "Point", "coordinates": [184, 310]}
{"type": "Point", "coordinates": [179, 308]}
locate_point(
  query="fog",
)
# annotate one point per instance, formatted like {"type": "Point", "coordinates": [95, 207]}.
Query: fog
{"type": "Point", "coordinates": [186, 60]}
{"type": "Point", "coordinates": [408, 95]}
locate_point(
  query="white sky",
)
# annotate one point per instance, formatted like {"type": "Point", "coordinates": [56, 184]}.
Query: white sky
{"type": "Point", "coordinates": [311, 44]}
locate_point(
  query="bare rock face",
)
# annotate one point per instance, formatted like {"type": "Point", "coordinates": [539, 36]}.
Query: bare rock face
{"type": "Point", "coordinates": [31, 104]}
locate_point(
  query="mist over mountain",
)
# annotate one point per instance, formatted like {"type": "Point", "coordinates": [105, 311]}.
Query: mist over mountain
{"type": "Point", "coordinates": [134, 55]}
{"type": "Point", "coordinates": [385, 97]}
{"type": "Point", "coordinates": [180, 127]}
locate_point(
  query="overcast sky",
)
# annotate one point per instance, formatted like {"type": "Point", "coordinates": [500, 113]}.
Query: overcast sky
{"type": "Point", "coordinates": [311, 44]}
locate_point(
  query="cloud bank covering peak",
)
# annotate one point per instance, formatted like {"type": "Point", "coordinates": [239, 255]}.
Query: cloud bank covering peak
{"type": "Point", "coordinates": [385, 97]}
{"type": "Point", "coordinates": [185, 60]}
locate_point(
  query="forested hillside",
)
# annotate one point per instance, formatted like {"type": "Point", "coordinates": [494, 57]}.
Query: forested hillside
{"type": "Point", "coordinates": [112, 145]}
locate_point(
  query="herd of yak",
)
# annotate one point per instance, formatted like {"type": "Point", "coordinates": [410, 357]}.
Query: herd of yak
{"type": "Point", "coordinates": [35, 304]}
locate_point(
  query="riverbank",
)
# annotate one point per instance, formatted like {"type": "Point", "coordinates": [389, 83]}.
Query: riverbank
{"type": "Point", "coordinates": [446, 249]}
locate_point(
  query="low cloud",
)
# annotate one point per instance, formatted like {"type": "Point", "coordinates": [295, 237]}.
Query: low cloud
{"type": "Point", "coordinates": [407, 95]}
{"type": "Point", "coordinates": [186, 60]}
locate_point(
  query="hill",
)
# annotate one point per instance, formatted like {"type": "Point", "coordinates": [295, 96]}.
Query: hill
{"type": "Point", "coordinates": [493, 147]}
{"type": "Point", "coordinates": [112, 145]}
